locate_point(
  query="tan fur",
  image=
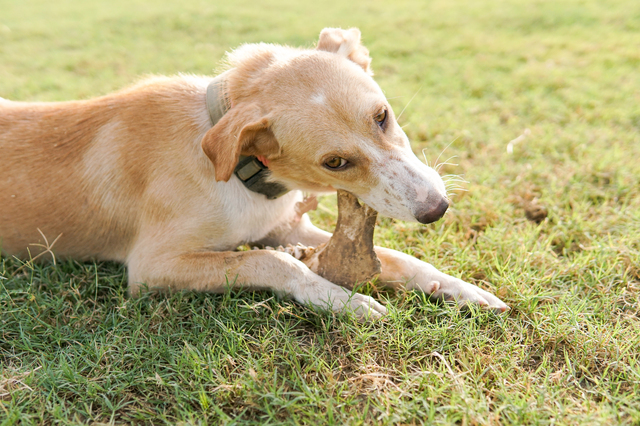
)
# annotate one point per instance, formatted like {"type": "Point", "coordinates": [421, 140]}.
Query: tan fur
{"type": "Point", "coordinates": [255, 138]}
{"type": "Point", "coordinates": [140, 176]}
{"type": "Point", "coordinates": [347, 44]}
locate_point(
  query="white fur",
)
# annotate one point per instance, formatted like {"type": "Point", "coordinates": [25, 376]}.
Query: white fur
{"type": "Point", "coordinates": [319, 99]}
{"type": "Point", "coordinates": [403, 183]}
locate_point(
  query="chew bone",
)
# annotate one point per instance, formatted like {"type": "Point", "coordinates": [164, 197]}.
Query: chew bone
{"type": "Point", "coordinates": [349, 256]}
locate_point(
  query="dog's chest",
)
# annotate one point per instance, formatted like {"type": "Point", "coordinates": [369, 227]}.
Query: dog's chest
{"type": "Point", "coordinates": [241, 216]}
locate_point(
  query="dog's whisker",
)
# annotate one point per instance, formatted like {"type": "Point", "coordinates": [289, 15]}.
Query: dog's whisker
{"type": "Point", "coordinates": [452, 182]}
{"type": "Point", "coordinates": [439, 166]}
{"type": "Point", "coordinates": [452, 185]}
{"type": "Point", "coordinates": [445, 148]}
{"type": "Point", "coordinates": [426, 160]}
{"type": "Point", "coordinates": [451, 158]}
{"type": "Point", "coordinates": [446, 161]}
{"type": "Point", "coordinates": [403, 109]}
{"type": "Point", "coordinates": [455, 190]}
{"type": "Point", "coordinates": [452, 176]}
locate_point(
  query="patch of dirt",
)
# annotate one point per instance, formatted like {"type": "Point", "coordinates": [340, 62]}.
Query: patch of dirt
{"type": "Point", "coordinates": [535, 212]}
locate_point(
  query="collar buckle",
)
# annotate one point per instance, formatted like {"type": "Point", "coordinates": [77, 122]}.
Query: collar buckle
{"type": "Point", "coordinates": [253, 174]}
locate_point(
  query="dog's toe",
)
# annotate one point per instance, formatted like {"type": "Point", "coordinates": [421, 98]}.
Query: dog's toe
{"type": "Point", "coordinates": [365, 307]}
{"type": "Point", "coordinates": [492, 301]}
{"type": "Point", "coordinates": [465, 294]}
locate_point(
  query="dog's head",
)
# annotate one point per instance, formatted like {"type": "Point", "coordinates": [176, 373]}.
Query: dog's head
{"type": "Point", "coordinates": [320, 122]}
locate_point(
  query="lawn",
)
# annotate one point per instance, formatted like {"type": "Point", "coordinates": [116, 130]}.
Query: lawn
{"type": "Point", "coordinates": [537, 104]}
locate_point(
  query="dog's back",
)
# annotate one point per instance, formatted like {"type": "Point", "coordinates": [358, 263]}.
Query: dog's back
{"type": "Point", "coordinates": [80, 169]}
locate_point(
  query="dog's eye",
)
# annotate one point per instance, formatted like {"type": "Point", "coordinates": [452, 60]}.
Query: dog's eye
{"type": "Point", "coordinates": [336, 163]}
{"type": "Point", "coordinates": [381, 118]}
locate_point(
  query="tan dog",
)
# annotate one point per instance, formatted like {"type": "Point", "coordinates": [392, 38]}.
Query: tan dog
{"type": "Point", "coordinates": [142, 176]}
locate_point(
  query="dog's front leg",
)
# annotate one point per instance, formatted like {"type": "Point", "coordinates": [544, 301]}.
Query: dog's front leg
{"type": "Point", "coordinates": [254, 270]}
{"type": "Point", "coordinates": [400, 269]}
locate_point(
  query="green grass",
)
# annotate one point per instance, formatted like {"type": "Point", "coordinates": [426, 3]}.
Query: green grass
{"type": "Point", "coordinates": [75, 349]}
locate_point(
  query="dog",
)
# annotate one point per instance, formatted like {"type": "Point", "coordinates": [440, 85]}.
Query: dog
{"type": "Point", "coordinates": [171, 175]}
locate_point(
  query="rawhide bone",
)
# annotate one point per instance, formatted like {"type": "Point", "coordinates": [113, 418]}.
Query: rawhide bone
{"type": "Point", "coordinates": [348, 258]}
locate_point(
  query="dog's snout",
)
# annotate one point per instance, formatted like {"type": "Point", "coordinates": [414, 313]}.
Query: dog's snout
{"type": "Point", "coordinates": [430, 212]}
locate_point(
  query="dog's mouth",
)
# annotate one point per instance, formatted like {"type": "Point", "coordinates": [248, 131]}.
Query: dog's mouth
{"type": "Point", "coordinates": [408, 190]}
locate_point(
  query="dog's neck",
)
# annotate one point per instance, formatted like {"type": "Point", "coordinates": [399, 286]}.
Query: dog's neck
{"type": "Point", "coordinates": [251, 172]}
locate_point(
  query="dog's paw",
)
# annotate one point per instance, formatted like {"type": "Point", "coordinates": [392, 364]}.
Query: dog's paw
{"type": "Point", "coordinates": [323, 294]}
{"type": "Point", "coordinates": [465, 294]}
{"type": "Point", "coordinates": [364, 307]}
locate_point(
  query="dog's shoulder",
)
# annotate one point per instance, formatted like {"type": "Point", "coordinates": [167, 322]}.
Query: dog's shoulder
{"type": "Point", "coordinates": [163, 86]}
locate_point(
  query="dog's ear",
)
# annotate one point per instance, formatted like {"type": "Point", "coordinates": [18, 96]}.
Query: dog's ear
{"type": "Point", "coordinates": [242, 130]}
{"type": "Point", "coordinates": [345, 43]}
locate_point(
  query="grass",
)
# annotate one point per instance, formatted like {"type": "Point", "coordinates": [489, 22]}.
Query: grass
{"type": "Point", "coordinates": [74, 349]}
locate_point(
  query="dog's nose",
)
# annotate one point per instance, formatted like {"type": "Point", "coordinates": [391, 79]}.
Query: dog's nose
{"type": "Point", "coordinates": [430, 212]}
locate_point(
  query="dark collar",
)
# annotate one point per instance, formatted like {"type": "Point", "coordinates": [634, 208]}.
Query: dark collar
{"type": "Point", "coordinates": [251, 172]}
